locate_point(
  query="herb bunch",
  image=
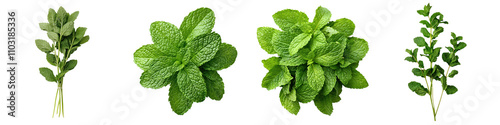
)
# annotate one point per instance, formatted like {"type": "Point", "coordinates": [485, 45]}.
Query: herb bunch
{"type": "Point", "coordinates": [315, 59]}
{"type": "Point", "coordinates": [187, 58]}
{"type": "Point", "coordinates": [65, 41]}
{"type": "Point", "coordinates": [434, 72]}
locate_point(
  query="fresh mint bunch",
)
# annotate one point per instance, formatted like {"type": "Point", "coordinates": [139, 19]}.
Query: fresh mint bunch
{"type": "Point", "coordinates": [187, 58]}
{"type": "Point", "coordinates": [65, 41]}
{"type": "Point", "coordinates": [434, 72]}
{"type": "Point", "coordinates": [315, 59]}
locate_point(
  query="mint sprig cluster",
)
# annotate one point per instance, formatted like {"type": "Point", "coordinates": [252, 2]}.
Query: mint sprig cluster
{"type": "Point", "coordinates": [187, 59]}
{"type": "Point", "coordinates": [315, 59]}
{"type": "Point", "coordinates": [434, 72]}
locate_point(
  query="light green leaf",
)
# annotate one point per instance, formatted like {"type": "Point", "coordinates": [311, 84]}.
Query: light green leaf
{"type": "Point", "coordinates": [318, 40]}
{"type": "Point", "coordinates": [315, 76]}
{"type": "Point", "coordinates": [294, 60]}
{"type": "Point", "coordinates": [420, 41]}
{"type": "Point", "coordinates": [45, 26]}
{"type": "Point", "coordinates": [292, 106]}
{"type": "Point", "coordinates": [321, 18]}
{"type": "Point", "coordinates": [51, 17]}
{"type": "Point", "coordinates": [344, 75]}
{"type": "Point", "coordinates": [164, 67]}
{"type": "Point", "coordinates": [198, 22]}
{"type": "Point", "coordinates": [324, 103]}
{"type": "Point", "coordinates": [73, 16]}
{"type": "Point", "coordinates": [178, 102]}
{"type": "Point", "coordinates": [165, 35]}
{"type": "Point", "coordinates": [53, 36]}
{"type": "Point", "coordinates": [298, 42]}
{"type": "Point", "coordinates": [48, 74]}
{"type": "Point", "coordinates": [281, 42]}
{"type": "Point", "coordinates": [224, 58]}
{"type": "Point", "coordinates": [215, 86]}
{"type": "Point", "coordinates": [144, 57]}
{"type": "Point", "coordinates": [277, 76]}
{"type": "Point", "coordinates": [85, 39]}
{"type": "Point", "coordinates": [330, 80]}
{"type": "Point", "coordinates": [329, 55]}
{"type": "Point", "coordinates": [305, 93]}
{"type": "Point", "coordinates": [204, 47]}
{"type": "Point", "coordinates": [265, 37]}
{"type": "Point", "coordinates": [52, 59]}
{"type": "Point", "coordinates": [356, 50]}
{"type": "Point", "coordinates": [80, 32]}
{"type": "Point", "coordinates": [287, 18]}
{"type": "Point", "coordinates": [357, 81]}
{"type": "Point", "coordinates": [191, 83]}
{"type": "Point", "coordinates": [43, 46]}
{"type": "Point", "coordinates": [148, 80]}
{"type": "Point", "coordinates": [345, 26]}
{"type": "Point", "coordinates": [271, 62]}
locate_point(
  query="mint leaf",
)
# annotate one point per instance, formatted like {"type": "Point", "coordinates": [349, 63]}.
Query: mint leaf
{"type": "Point", "coordinates": [191, 83]}
{"type": "Point", "coordinates": [271, 62]}
{"type": "Point", "coordinates": [285, 19]}
{"type": "Point", "coordinates": [281, 43]}
{"type": "Point", "coordinates": [145, 56]}
{"type": "Point", "coordinates": [294, 60]}
{"type": "Point", "coordinates": [357, 81]}
{"type": "Point", "coordinates": [67, 29]}
{"type": "Point", "coordinates": [164, 67]}
{"type": "Point", "coordinates": [277, 76]}
{"type": "Point", "coordinates": [321, 18]}
{"type": "Point", "coordinates": [225, 57]}
{"type": "Point", "coordinates": [344, 75]}
{"type": "Point", "coordinates": [178, 102]}
{"type": "Point", "coordinates": [48, 74]}
{"type": "Point", "coordinates": [318, 40]}
{"type": "Point", "coordinates": [330, 80]}
{"type": "Point", "coordinates": [345, 26]}
{"type": "Point", "coordinates": [265, 37]}
{"type": "Point", "coordinates": [451, 89]}
{"type": "Point", "coordinates": [148, 80]}
{"type": "Point", "coordinates": [356, 50]}
{"type": "Point", "coordinates": [52, 59]}
{"type": "Point", "coordinates": [73, 16]}
{"type": "Point", "coordinates": [315, 76]}
{"type": "Point", "coordinates": [324, 103]}
{"type": "Point", "coordinates": [204, 48]}
{"type": "Point", "coordinates": [80, 32]}
{"type": "Point", "coordinates": [43, 46]}
{"type": "Point", "coordinates": [166, 36]}
{"type": "Point", "coordinates": [70, 65]}
{"type": "Point", "coordinates": [53, 36]}
{"type": "Point", "coordinates": [292, 106]}
{"type": "Point", "coordinates": [298, 42]}
{"type": "Point", "coordinates": [453, 73]}
{"type": "Point", "coordinates": [420, 41]}
{"type": "Point", "coordinates": [198, 22]}
{"type": "Point", "coordinates": [417, 88]}
{"type": "Point", "coordinates": [215, 86]}
{"type": "Point", "coordinates": [329, 55]}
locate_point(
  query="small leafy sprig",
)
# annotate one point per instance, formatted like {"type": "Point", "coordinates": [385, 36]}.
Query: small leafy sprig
{"type": "Point", "coordinates": [65, 41]}
{"type": "Point", "coordinates": [435, 72]}
{"type": "Point", "coordinates": [187, 58]}
{"type": "Point", "coordinates": [314, 59]}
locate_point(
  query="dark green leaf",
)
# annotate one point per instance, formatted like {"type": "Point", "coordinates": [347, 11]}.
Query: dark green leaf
{"type": "Point", "coordinates": [453, 73]}
{"type": "Point", "coordinates": [43, 46]}
{"type": "Point", "coordinates": [420, 41]}
{"type": "Point", "coordinates": [344, 75]}
{"type": "Point", "coordinates": [451, 90]}
{"type": "Point", "coordinates": [52, 59]}
{"type": "Point", "coordinates": [85, 39]}
{"type": "Point", "coordinates": [215, 86]}
{"type": "Point", "coordinates": [357, 81]}
{"type": "Point", "coordinates": [417, 72]}
{"type": "Point", "coordinates": [80, 32]}
{"type": "Point", "coordinates": [48, 74]}
{"type": "Point", "coordinates": [417, 88]}
{"type": "Point", "coordinates": [324, 103]}
{"type": "Point", "coordinates": [425, 32]}
{"type": "Point", "coordinates": [70, 65]}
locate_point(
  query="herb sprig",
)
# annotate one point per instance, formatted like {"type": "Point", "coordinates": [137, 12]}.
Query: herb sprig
{"type": "Point", "coordinates": [434, 72]}
{"type": "Point", "coordinates": [65, 41]}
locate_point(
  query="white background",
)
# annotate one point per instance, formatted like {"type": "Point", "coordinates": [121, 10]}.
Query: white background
{"type": "Point", "coordinates": [104, 88]}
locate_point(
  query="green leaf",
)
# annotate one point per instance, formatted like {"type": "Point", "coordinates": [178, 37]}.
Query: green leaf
{"type": "Point", "coordinates": [417, 72]}
{"type": "Point", "coordinates": [318, 40]}
{"type": "Point", "coordinates": [43, 46]}
{"type": "Point", "coordinates": [329, 55]}
{"type": "Point", "coordinates": [51, 17]}
{"type": "Point", "coordinates": [145, 56]}
{"type": "Point", "coordinates": [357, 81]}
{"type": "Point", "coordinates": [48, 74]}
{"type": "Point", "coordinates": [53, 36]}
{"type": "Point", "coordinates": [277, 76]}
{"type": "Point", "coordinates": [148, 80]}
{"type": "Point", "coordinates": [70, 65]}
{"type": "Point", "coordinates": [420, 64]}
{"type": "Point", "coordinates": [305, 93]}
{"type": "Point", "coordinates": [423, 13]}
{"type": "Point", "coordinates": [294, 60]}
{"type": "Point", "coordinates": [344, 75]}
{"type": "Point", "coordinates": [426, 23]}
{"type": "Point", "coordinates": [345, 26]}
{"type": "Point", "coordinates": [291, 106]}
{"type": "Point", "coordinates": [271, 62]}
{"type": "Point", "coordinates": [191, 83]}
{"type": "Point", "coordinates": [198, 22]}
{"type": "Point", "coordinates": [52, 59]}
{"type": "Point", "coordinates": [67, 29]}
{"type": "Point", "coordinates": [417, 88]}
{"type": "Point", "coordinates": [73, 16]}
{"type": "Point", "coordinates": [215, 85]}
{"type": "Point", "coordinates": [324, 103]}
{"type": "Point", "coordinates": [451, 90]}
{"type": "Point", "coordinates": [281, 43]}
{"type": "Point", "coordinates": [204, 48]}
{"type": "Point", "coordinates": [305, 27]}
{"type": "Point", "coordinates": [164, 67]}
{"type": "Point", "coordinates": [420, 41]}
{"type": "Point", "coordinates": [298, 42]}
{"type": "Point", "coordinates": [225, 57]}
{"type": "Point", "coordinates": [45, 27]}
{"type": "Point", "coordinates": [61, 14]}
{"type": "Point", "coordinates": [178, 102]}
{"type": "Point", "coordinates": [265, 37]}
{"type": "Point", "coordinates": [330, 80]}
{"type": "Point", "coordinates": [80, 32]}
{"type": "Point", "coordinates": [425, 32]}
{"type": "Point", "coordinates": [85, 39]}
{"type": "Point", "coordinates": [321, 18]}
{"type": "Point", "coordinates": [165, 35]}
{"type": "Point", "coordinates": [315, 76]}
{"type": "Point", "coordinates": [287, 18]}
{"type": "Point", "coordinates": [453, 73]}
{"type": "Point", "coordinates": [410, 59]}
{"type": "Point", "coordinates": [356, 50]}
{"type": "Point", "coordinates": [461, 46]}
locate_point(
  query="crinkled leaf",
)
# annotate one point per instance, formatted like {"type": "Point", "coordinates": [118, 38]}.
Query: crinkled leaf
{"type": "Point", "coordinates": [277, 76]}
{"type": "Point", "coordinates": [198, 22]}
{"type": "Point", "coordinates": [324, 103]}
{"type": "Point", "coordinates": [298, 42]}
{"type": "Point", "coordinates": [357, 81]}
{"type": "Point", "coordinates": [43, 46]}
{"type": "Point", "coordinates": [215, 85]}
{"type": "Point", "coordinates": [67, 29]}
{"type": "Point", "coordinates": [145, 56]}
{"type": "Point", "coordinates": [191, 83]}
{"type": "Point", "coordinates": [355, 50]}
{"type": "Point", "coordinates": [225, 57]}
{"type": "Point", "coordinates": [70, 65]}
{"type": "Point", "coordinates": [417, 88]}
{"type": "Point", "coordinates": [48, 74]}
{"type": "Point", "coordinates": [345, 26]}
{"type": "Point", "coordinates": [204, 47]}
{"type": "Point", "coordinates": [329, 55]}
{"type": "Point", "coordinates": [287, 18]}
{"type": "Point", "coordinates": [178, 102]}
{"type": "Point", "coordinates": [321, 18]}
{"type": "Point", "coordinates": [165, 35]}
{"type": "Point", "coordinates": [344, 75]}
{"type": "Point", "coordinates": [330, 80]}
{"type": "Point", "coordinates": [271, 62]}
{"type": "Point", "coordinates": [291, 106]}
{"type": "Point", "coordinates": [305, 93]}
{"type": "Point", "coordinates": [265, 37]}
{"type": "Point", "coordinates": [453, 73]}
{"type": "Point", "coordinates": [315, 76]}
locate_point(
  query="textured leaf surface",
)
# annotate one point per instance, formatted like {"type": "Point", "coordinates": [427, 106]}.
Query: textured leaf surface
{"type": "Point", "coordinates": [145, 56]}
{"type": "Point", "coordinates": [204, 48]}
{"type": "Point", "coordinates": [315, 76]}
{"type": "Point", "coordinates": [356, 49]}
{"type": "Point", "coordinates": [166, 36]}
{"type": "Point", "coordinates": [321, 18]}
{"type": "Point", "coordinates": [198, 22]}
{"type": "Point", "coordinates": [277, 76]}
{"type": "Point", "coordinates": [191, 83]}
{"type": "Point", "coordinates": [225, 57]}
{"type": "Point", "coordinates": [344, 25]}
{"type": "Point", "coordinates": [292, 106]}
{"type": "Point", "coordinates": [43, 46]}
{"type": "Point", "coordinates": [265, 37]}
{"type": "Point", "coordinates": [330, 80]}
{"type": "Point", "coordinates": [324, 103]}
{"type": "Point", "coordinates": [178, 102]}
{"type": "Point", "coordinates": [305, 93]}
{"type": "Point", "coordinates": [271, 62]}
{"type": "Point", "coordinates": [298, 42]}
{"type": "Point", "coordinates": [48, 74]}
{"type": "Point", "coordinates": [215, 86]}
{"type": "Point", "coordinates": [417, 88]}
{"type": "Point", "coordinates": [357, 81]}
{"type": "Point", "coordinates": [285, 19]}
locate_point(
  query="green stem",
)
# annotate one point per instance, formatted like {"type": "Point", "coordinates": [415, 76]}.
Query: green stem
{"type": "Point", "coordinates": [53, 111]}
